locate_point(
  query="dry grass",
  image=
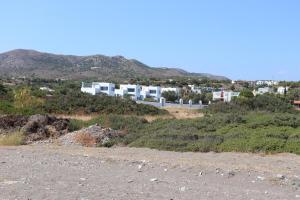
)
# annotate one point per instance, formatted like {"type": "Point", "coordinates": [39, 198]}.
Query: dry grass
{"type": "Point", "coordinates": [81, 117]}
{"type": "Point", "coordinates": [13, 139]}
{"type": "Point", "coordinates": [184, 113]}
{"type": "Point", "coordinates": [85, 139]}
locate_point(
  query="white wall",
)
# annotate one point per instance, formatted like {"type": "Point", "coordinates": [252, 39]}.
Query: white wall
{"type": "Point", "coordinates": [227, 95]}
{"type": "Point", "coordinates": [99, 87]}
{"type": "Point", "coordinates": [151, 91]}
{"type": "Point", "coordinates": [171, 89]}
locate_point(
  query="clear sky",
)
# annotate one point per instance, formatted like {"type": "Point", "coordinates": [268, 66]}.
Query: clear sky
{"type": "Point", "coordinates": [241, 39]}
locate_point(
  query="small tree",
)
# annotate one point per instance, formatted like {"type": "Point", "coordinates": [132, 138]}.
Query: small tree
{"type": "Point", "coordinates": [170, 96]}
{"type": "Point", "coordinates": [246, 93]}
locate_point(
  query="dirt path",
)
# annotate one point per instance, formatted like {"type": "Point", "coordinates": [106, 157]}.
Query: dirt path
{"type": "Point", "coordinates": [55, 172]}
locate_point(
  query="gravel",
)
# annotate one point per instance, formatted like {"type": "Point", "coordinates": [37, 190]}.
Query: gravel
{"type": "Point", "coordinates": [74, 172]}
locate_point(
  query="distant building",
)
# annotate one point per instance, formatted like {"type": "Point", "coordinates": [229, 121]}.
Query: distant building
{"type": "Point", "coordinates": [297, 104]}
{"type": "Point", "coordinates": [46, 89]}
{"type": "Point", "coordinates": [267, 82]}
{"type": "Point", "coordinates": [129, 89]}
{"type": "Point", "coordinates": [196, 89]}
{"type": "Point", "coordinates": [225, 96]}
{"type": "Point", "coordinates": [98, 88]}
{"type": "Point", "coordinates": [263, 90]}
{"type": "Point", "coordinates": [282, 90]}
{"type": "Point", "coordinates": [171, 89]}
{"type": "Point", "coordinates": [153, 92]}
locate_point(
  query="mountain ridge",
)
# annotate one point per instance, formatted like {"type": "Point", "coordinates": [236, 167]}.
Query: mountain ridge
{"type": "Point", "coordinates": [32, 63]}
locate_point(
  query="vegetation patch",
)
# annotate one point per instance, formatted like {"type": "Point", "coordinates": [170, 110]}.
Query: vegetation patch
{"type": "Point", "coordinates": [12, 139]}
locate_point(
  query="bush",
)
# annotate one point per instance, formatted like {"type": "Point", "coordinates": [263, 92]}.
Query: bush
{"type": "Point", "coordinates": [170, 96]}
{"type": "Point", "coordinates": [74, 101]}
{"type": "Point", "coordinates": [267, 102]}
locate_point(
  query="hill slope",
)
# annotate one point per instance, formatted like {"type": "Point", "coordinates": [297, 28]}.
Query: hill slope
{"type": "Point", "coordinates": [32, 63]}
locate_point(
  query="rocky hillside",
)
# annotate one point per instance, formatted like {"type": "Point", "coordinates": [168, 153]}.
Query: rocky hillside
{"type": "Point", "coordinates": [30, 63]}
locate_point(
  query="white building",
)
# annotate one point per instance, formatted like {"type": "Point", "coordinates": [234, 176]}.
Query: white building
{"type": "Point", "coordinates": [153, 92]}
{"type": "Point", "coordinates": [128, 89]}
{"type": "Point", "coordinates": [46, 89]}
{"type": "Point", "coordinates": [170, 89]}
{"type": "Point", "coordinates": [263, 90]}
{"type": "Point", "coordinates": [195, 89]}
{"type": "Point", "coordinates": [98, 87]}
{"type": "Point", "coordinates": [282, 90]}
{"type": "Point", "coordinates": [225, 96]}
{"type": "Point", "coordinates": [267, 82]}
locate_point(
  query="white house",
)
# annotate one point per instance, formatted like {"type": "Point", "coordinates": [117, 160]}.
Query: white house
{"type": "Point", "coordinates": [263, 90]}
{"type": "Point", "coordinates": [282, 90]}
{"type": "Point", "coordinates": [196, 89]}
{"type": "Point", "coordinates": [46, 89]}
{"type": "Point", "coordinates": [151, 92]}
{"type": "Point", "coordinates": [128, 89]}
{"type": "Point", "coordinates": [225, 96]}
{"type": "Point", "coordinates": [98, 87]}
{"type": "Point", "coordinates": [267, 82]}
{"type": "Point", "coordinates": [170, 89]}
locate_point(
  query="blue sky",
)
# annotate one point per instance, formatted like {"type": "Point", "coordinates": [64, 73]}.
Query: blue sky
{"type": "Point", "coordinates": [241, 39]}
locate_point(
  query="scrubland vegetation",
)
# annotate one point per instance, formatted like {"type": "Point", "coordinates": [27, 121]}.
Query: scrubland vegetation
{"type": "Point", "coordinates": [263, 123]}
{"type": "Point", "coordinates": [67, 99]}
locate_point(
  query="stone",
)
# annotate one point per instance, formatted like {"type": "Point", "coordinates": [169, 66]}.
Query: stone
{"type": "Point", "coordinates": [280, 176]}
{"type": "Point", "coordinates": [260, 178]}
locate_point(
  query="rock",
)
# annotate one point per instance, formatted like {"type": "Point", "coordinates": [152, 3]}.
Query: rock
{"type": "Point", "coordinates": [200, 173]}
{"type": "Point", "coordinates": [280, 176]}
{"type": "Point", "coordinates": [260, 178]}
{"type": "Point", "coordinates": [91, 136]}
{"type": "Point", "coordinates": [12, 122]}
{"type": "Point", "coordinates": [231, 174]}
{"type": "Point", "coordinates": [153, 179]}
{"type": "Point", "coordinates": [35, 127]}
{"type": "Point", "coordinates": [296, 182]}
{"type": "Point", "coordinates": [182, 189]}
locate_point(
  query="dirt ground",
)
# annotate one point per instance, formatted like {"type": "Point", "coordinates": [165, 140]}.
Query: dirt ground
{"type": "Point", "coordinates": [178, 113]}
{"type": "Point", "coordinates": [68, 172]}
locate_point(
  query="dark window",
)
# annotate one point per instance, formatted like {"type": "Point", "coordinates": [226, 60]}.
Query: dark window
{"type": "Point", "coordinates": [131, 90]}
{"type": "Point", "coordinates": [103, 88]}
{"type": "Point", "coordinates": [152, 91]}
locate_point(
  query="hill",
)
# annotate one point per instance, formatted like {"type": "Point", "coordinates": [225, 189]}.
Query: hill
{"type": "Point", "coordinates": [30, 63]}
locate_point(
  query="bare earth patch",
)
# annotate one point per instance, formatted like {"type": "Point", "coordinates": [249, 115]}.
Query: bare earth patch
{"type": "Point", "coordinates": [177, 113]}
{"type": "Point", "coordinates": [59, 172]}
{"type": "Point", "coordinates": [83, 117]}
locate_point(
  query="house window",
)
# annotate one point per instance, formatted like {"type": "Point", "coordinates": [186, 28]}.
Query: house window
{"type": "Point", "coordinates": [131, 90]}
{"type": "Point", "coordinates": [104, 88]}
{"type": "Point", "coordinates": [152, 91]}
{"type": "Point", "coordinates": [113, 89]}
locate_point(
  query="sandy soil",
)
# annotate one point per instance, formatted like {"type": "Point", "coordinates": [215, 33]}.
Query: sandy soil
{"type": "Point", "coordinates": [56, 172]}
{"type": "Point", "coordinates": [177, 113]}
{"type": "Point", "coordinates": [82, 117]}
